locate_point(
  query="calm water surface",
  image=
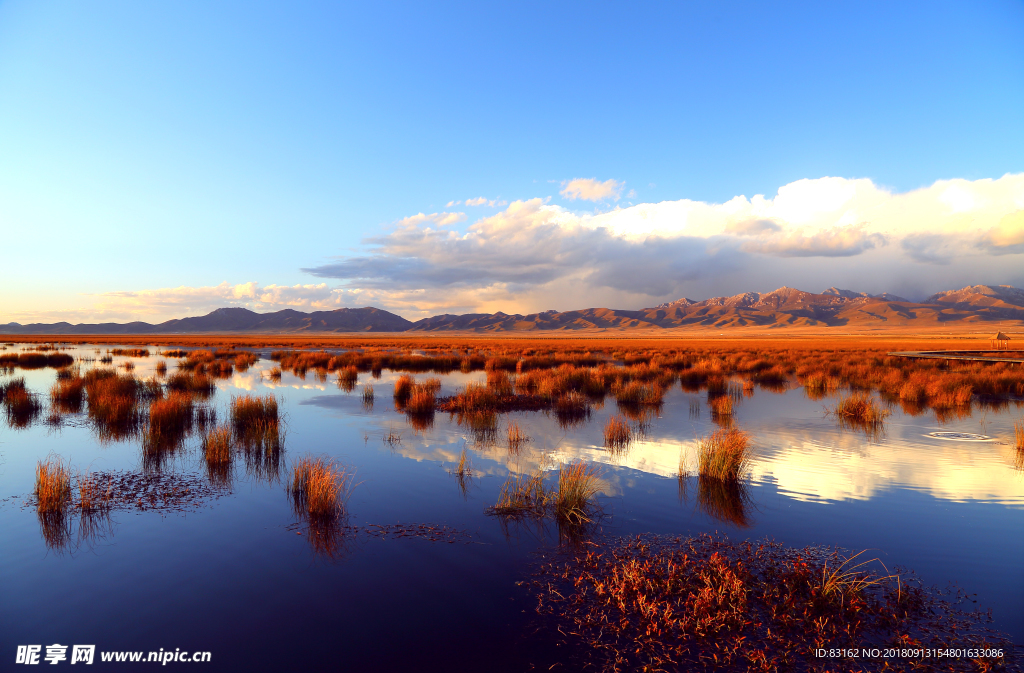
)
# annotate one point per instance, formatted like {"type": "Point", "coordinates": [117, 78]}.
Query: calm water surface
{"type": "Point", "coordinates": [237, 578]}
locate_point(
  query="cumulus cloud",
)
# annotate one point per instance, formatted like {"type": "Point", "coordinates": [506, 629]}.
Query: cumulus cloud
{"type": "Point", "coordinates": [821, 232]}
{"type": "Point", "coordinates": [835, 242]}
{"type": "Point", "coordinates": [1007, 237]}
{"type": "Point", "coordinates": [589, 189]}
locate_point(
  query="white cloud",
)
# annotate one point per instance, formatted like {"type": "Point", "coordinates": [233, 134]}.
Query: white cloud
{"type": "Point", "coordinates": [811, 233]}
{"type": "Point", "coordinates": [589, 189]}
{"type": "Point", "coordinates": [440, 219]}
{"type": "Point", "coordinates": [481, 201]}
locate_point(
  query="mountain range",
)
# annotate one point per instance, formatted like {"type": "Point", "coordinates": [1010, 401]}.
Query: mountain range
{"type": "Point", "coordinates": [785, 307]}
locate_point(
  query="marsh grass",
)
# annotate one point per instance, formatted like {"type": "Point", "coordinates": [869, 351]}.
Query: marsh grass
{"type": "Point", "coordinates": [368, 397]}
{"type": "Point", "coordinates": [521, 496]}
{"type": "Point", "coordinates": [21, 407]}
{"type": "Point", "coordinates": [403, 389]}
{"type": "Point", "coordinates": [724, 455]}
{"type": "Point", "coordinates": [347, 378]}
{"type": "Point", "coordinates": [516, 437]}
{"type": "Point", "coordinates": [860, 411]}
{"type": "Point", "coordinates": [721, 409]}
{"type": "Point", "coordinates": [274, 374]}
{"type": "Point", "coordinates": [617, 434]}
{"type": "Point", "coordinates": [320, 488]}
{"type": "Point", "coordinates": [573, 497]}
{"type": "Point", "coordinates": [1018, 434]}
{"type": "Point", "coordinates": [53, 485]}
{"type": "Point", "coordinates": [217, 446]}
{"type": "Point", "coordinates": [161, 368]}
{"type": "Point", "coordinates": [68, 394]}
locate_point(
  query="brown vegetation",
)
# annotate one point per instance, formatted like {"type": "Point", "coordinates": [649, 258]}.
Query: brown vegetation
{"type": "Point", "coordinates": [860, 411]}
{"type": "Point", "coordinates": [53, 485]}
{"type": "Point", "coordinates": [659, 603]}
{"type": "Point", "coordinates": [320, 488]}
{"type": "Point", "coordinates": [724, 455]}
{"type": "Point", "coordinates": [617, 433]}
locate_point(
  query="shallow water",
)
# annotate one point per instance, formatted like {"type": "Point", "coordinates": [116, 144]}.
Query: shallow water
{"type": "Point", "coordinates": [237, 576]}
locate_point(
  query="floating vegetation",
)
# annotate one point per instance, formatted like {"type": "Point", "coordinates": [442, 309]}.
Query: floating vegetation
{"type": "Point", "coordinates": [660, 603]}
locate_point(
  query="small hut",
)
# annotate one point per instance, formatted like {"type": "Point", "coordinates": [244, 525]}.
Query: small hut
{"type": "Point", "coordinates": [1000, 340]}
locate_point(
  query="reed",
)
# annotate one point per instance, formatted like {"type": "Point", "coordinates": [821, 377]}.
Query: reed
{"type": "Point", "coordinates": [463, 468]}
{"type": "Point", "coordinates": [860, 410]}
{"type": "Point", "coordinates": [347, 378]}
{"type": "Point", "coordinates": [573, 498]}
{"type": "Point", "coordinates": [251, 411]}
{"type": "Point", "coordinates": [521, 496]}
{"type": "Point", "coordinates": [721, 406]}
{"type": "Point", "coordinates": [516, 436]}
{"type": "Point", "coordinates": [53, 485]}
{"type": "Point", "coordinates": [320, 488]}
{"type": "Point", "coordinates": [20, 406]}
{"type": "Point", "coordinates": [274, 374]}
{"type": "Point", "coordinates": [161, 368]}
{"type": "Point", "coordinates": [403, 388]}
{"type": "Point", "coordinates": [724, 455]}
{"type": "Point", "coordinates": [130, 352]}
{"type": "Point", "coordinates": [193, 382]}
{"type": "Point", "coordinates": [617, 433]}
{"type": "Point", "coordinates": [1018, 432]}
{"type": "Point", "coordinates": [173, 414]}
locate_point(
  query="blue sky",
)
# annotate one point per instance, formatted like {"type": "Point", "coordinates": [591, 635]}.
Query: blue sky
{"type": "Point", "coordinates": [151, 153]}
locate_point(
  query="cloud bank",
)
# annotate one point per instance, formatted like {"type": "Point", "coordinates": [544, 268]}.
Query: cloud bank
{"type": "Point", "coordinates": [534, 256]}
{"type": "Point", "coordinates": [812, 234]}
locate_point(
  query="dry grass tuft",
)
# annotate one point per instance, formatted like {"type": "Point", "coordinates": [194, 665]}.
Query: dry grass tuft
{"type": "Point", "coordinates": [517, 437]}
{"type": "Point", "coordinates": [53, 485]}
{"type": "Point", "coordinates": [861, 411]}
{"type": "Point", "coordinates": [521, 496]}
{"type": "Point", "coordinates": [320, 488]}
{"type": "Point", "coordinates": [724, 455]}
{"type": "Point", "coordinates": [573, 498]}
{"type": "Point", "coordinates": [617, 433]}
